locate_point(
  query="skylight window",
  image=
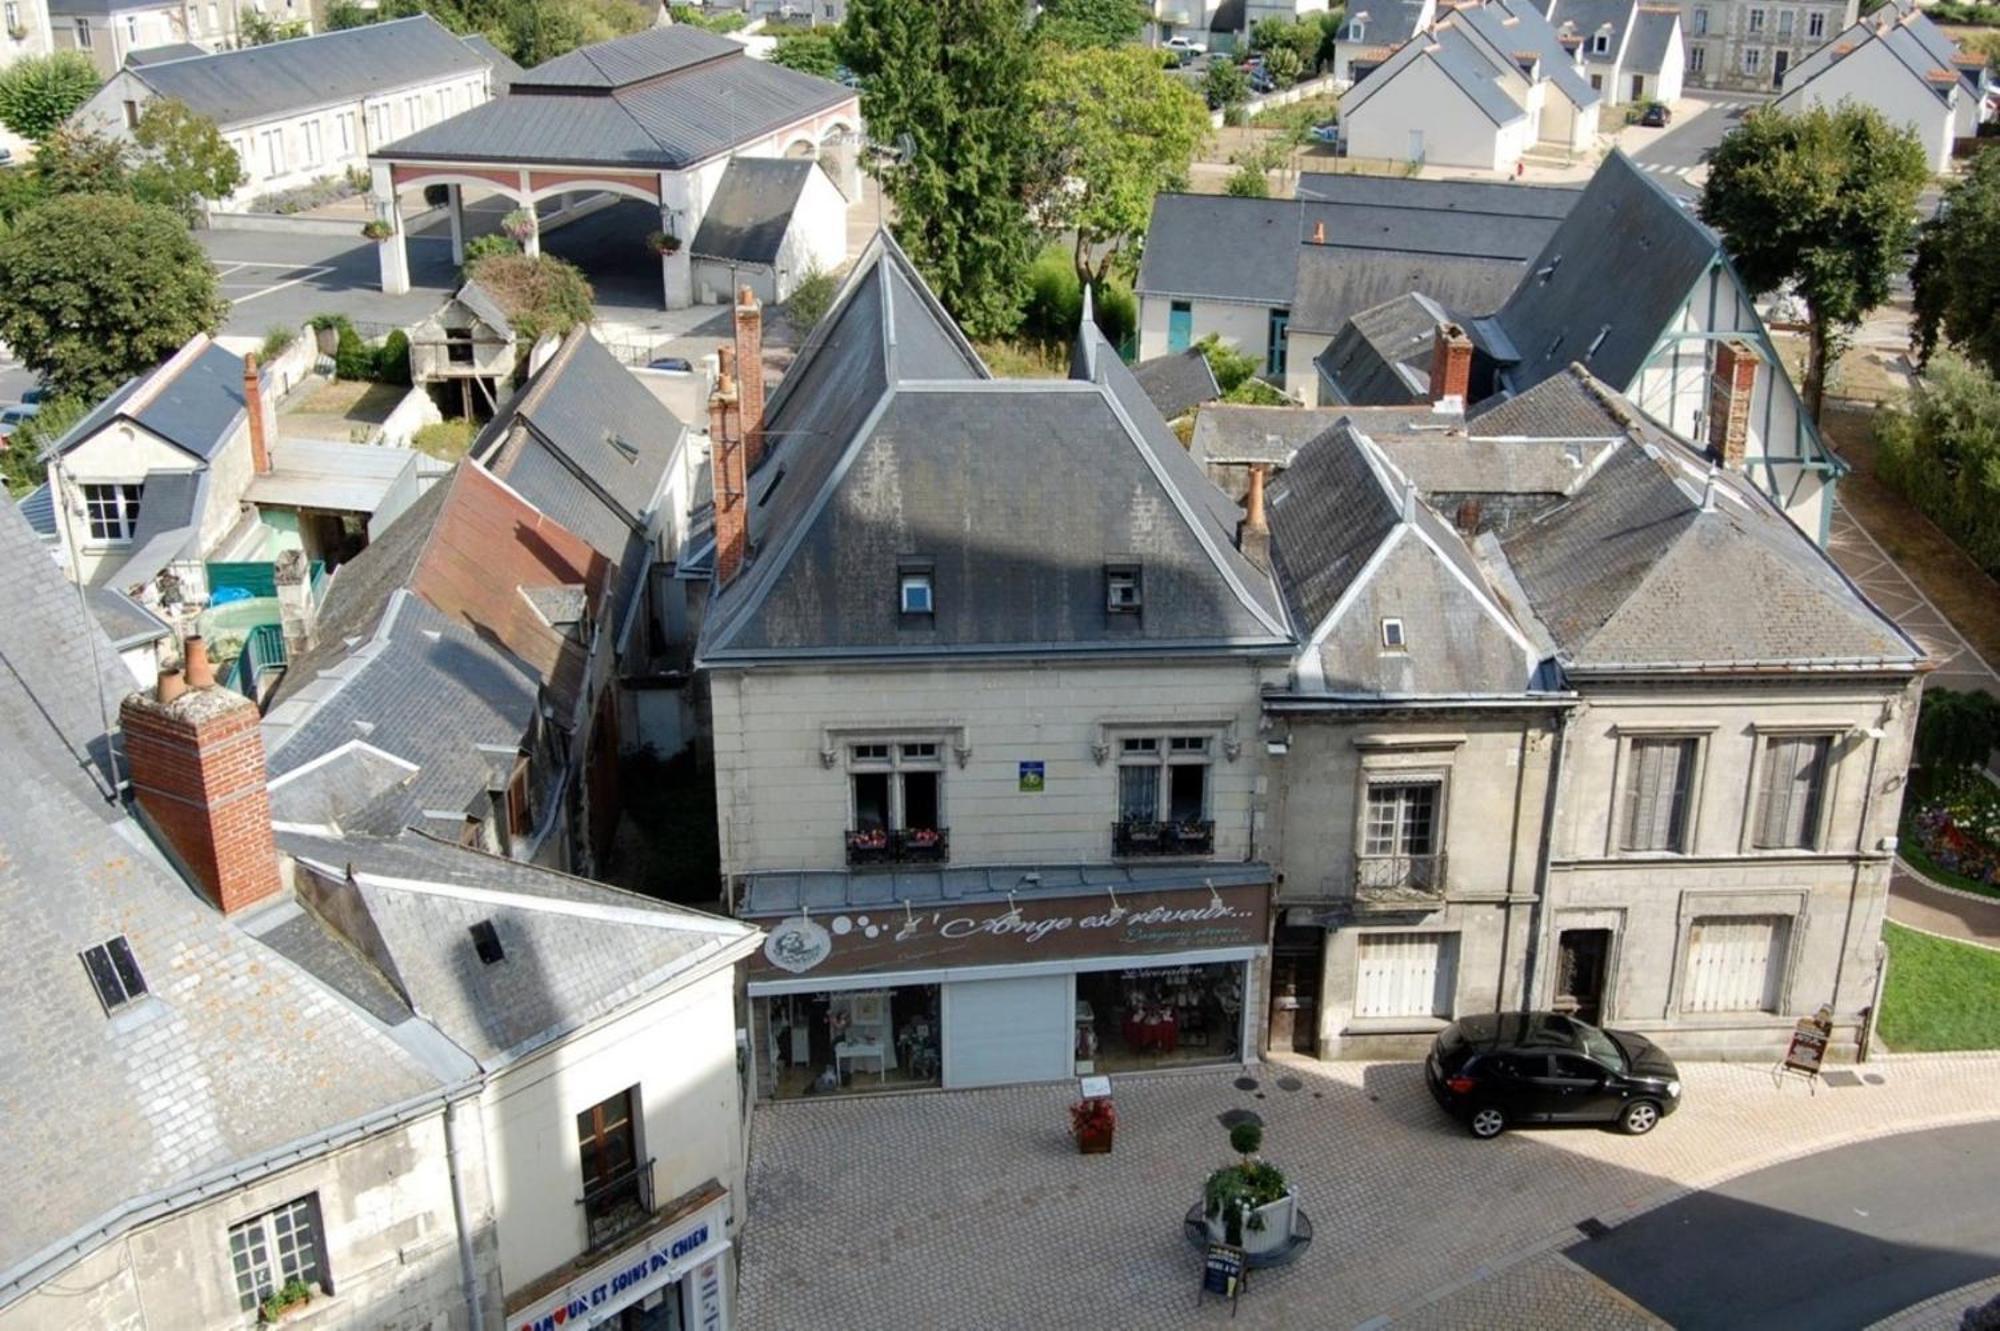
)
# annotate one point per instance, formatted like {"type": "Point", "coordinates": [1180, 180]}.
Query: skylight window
{"type": "Point", "coordinates": [916, 593]}
{"type": "Point", "coordinates": [486, 942]}
{"type": "Point", "coordinates": [1392, 635]}
{"type": "Point", "coordinates": [1121, 589]}
{"type": "Point", "coordinates": [114, 973]}
{"type": "Point", "coordinates": [625, 448]}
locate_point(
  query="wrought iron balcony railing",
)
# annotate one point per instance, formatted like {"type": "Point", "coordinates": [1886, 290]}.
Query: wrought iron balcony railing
{"type": "Point", "coordinates": [1135, 838]}
{"type": "Point", "coordinates": [908, 845]}
{"type": "Point", "coordinates": [1393, 880]}
{"type": "Point", "coordinates": [617, 1206]}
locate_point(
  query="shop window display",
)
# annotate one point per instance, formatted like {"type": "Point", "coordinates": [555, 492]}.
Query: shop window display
{"type": "Point", "coordinates": [1149, 1017]}
{"type": "Point", "coordinates": [853, 1040]}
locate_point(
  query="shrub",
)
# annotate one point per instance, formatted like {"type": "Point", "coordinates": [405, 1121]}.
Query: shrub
{"type": "Point", "coordinates": [1955, 729]}
{"type": "Point", "coordinates": [20, 455]}
{"type": "Point", "coordinates": [1117, 310]}
{"type": "Point", "coordinates": [1055, 296]}
{"type": "Point", "coordinates": [485, 247]}
{"type": "Point", "coordinates": [302, 198]}
{"type": "Point", "coordinates": [392, 361]}
{"type": "Point", "coordinates": [1231, 367]}
{"type": "Point", "coordinates": [1942, 451]}
{"type": "Point", "coordinates": [541, 294]}
{"type": "Point", "coordinates": [1246, 1138]}
{"type": "Point", "coordinates": [1248, 182]}
{"type": "Point", "coordinates": [1257, 393]}
{"type": "Point", "coordinates": [277, 341]}
{"type": "Point", "coordinates": [352, 358]}
{"type": "Point", "coordinates": [812, 295]}
{"type": "Point", "coordinates": [446, 440]}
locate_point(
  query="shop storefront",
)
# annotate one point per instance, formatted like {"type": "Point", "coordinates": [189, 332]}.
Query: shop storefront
{"type": "Point", "coordinates": [674, 1277]}
{"type": "Point", "coordinates": [990, 989]}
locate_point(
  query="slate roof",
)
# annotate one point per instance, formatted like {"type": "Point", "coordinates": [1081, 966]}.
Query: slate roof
{"type": "Point", "coordinates": [1622, 263]}
{"type": "Point", "coordinates": [235, 1054]}
{"type": "Point", "coordinates": [573, 950]}
{"type": "Point", "coordinates": [892, 442]}
{"type": "Point", "coordinates": [194, 402]}
{"type": "Point", "coordinates": [1629, 574]}
{"type": "Point", "coordinates": [665, 98]}
{"type": "Point", "coordinates": [169, 525]}
{"type": "Point", "coordinates": [1383, 356]}
{"type": "Point", "coordinates": [1586, 18]}
{"type": "Point", "coordinates": [1562, 406]}
{"type": "Point", "coordinates": [1389, 22]}
{"type": "Point", "coordinates": [1652, 38]}
{"type": "Point", "coordinates": [1462, 59]}
{"type": "Point", "coordinates": [38, 510]}
{"type": "Point", "coordinates": [1488, 198]}
{"type": "Point", "coordinates": [1329, 511]}
{"type": "Point", "coordinates": [124, 621]}
{"type": "Point", "coordinates": [751, 210]}
{"type": "Point", "coordinates": [1919, 45]}
{"type": "Point", "coordinates": [1177, 382]}
{"type": "Point", "coordinates": [505, 71]}
{"type": "Point", "coordinates": [1221, 248]}
{"type": "Point", "coordinates": [1515, 28]}
{"type": "Point", "coordinates": [259, 83]}
{"type": "Point", "coordinates": [153, 55]}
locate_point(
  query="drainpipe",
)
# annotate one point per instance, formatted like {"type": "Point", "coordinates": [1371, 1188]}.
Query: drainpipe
{"type": "Point", "coordinates": [1531, 962]}
{"type": "Point", "coordinates": [468, 1269]}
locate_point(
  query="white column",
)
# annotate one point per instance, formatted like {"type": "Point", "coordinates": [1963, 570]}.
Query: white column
{"type": "Point", "coordinates": [678, 217]}
{"type": "Point", "coordinates": [455, 205]}
{"type": "Point", "coordinates": [532, 246]}
{"type": "Point", "coordinates": [395, 251]}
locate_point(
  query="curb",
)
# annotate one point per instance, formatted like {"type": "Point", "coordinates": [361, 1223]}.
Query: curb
{"type": "Point", "coordinates": [1931, 1313]}
{"type": "Point", "coordinates": [1945, 938]}
{"type": "Point", "coordinates": [1567, 1235]}
{"type": "Point", "coordinates": [1905, 866]}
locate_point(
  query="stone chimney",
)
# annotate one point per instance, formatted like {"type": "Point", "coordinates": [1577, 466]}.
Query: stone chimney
{"type": "Point", "coordinates": [1253, 537]}
{"type": "Point", "coordinates": [750, 377]}
{"type": "Point", "coordinates": [732, 516]}
{"type": "Point", "coordinates": [197, 762]}
{"type": "Point", "coordinates": [1451, 365]}
{"type": "Point", "coordinates": [297, 614]}
{"type": "Point", "coordinates": [1730, 387]}
{"type": "Point", "coordinates": [263, 428]}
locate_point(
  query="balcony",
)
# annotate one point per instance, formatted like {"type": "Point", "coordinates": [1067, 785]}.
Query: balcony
{"type": "Point", "coordinates": [1399, 882]}
{"type": "Point", "coordinates": [910, 845]}
{"type": "Point", "coordinates": [617, 1206]}
{"type": "Point", "coordinates": [1134, 838]}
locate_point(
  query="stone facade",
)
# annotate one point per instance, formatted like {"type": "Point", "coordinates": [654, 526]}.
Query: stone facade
{"type": "Point", "coordinates": [1748, 45]}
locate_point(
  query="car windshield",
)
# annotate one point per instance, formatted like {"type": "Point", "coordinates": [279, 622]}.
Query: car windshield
{"type": "Point", "coordinates": [1601, 1047]}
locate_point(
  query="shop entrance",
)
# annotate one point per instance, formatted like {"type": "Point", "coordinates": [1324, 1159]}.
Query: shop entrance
{"type": "Point", "coordinates": [1148, 1017]}
{"type": "Point", "coordinates": [1298, 959]}
{"type": "Point", "coordinates": [1582, 957]}
{"type": "Point", "coordinates": [852, 1040]}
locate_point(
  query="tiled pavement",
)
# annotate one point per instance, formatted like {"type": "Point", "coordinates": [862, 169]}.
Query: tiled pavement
{"type": "Point", "coordinates": [1959, 666]}
{"type": "Point", "coordinates": [972, 1209]}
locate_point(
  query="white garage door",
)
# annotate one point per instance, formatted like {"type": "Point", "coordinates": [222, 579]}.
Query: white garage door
{"type": "Point", "coordinates": [1405, 975]}
{"type": "Point", "coordinates": [1735, 963]}
{"type": "Point", "coordinates": [1001, 1031]}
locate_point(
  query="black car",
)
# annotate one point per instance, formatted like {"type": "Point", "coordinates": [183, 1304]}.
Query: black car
{"type": "Point", "coordinates": [1656, 116]}
{"type": "Point", "coordinates": [1494, 1071]}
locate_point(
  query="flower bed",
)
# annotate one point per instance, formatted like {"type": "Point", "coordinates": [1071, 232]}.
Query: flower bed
{"type": "Point", "coordinates": [1956, 828]}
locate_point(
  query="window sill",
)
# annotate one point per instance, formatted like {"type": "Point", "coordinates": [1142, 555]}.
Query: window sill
{"type": "Point", "coordinates": [1396, 1026]}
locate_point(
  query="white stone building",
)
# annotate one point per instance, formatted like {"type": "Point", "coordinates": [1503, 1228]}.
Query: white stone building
{"type": "Point", "coordinates": [1753, 45]}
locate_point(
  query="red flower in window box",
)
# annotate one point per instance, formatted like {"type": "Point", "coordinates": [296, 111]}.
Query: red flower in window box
{"type": "Point", "coordinates": [869, 838]}
{"type": "Point", "coordinates": [923, 837]}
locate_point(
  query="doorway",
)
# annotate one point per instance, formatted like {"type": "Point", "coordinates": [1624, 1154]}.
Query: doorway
{"type": "Point", "coordinates": [1638, 86]}
{"type": "Point", "coordinates": [1298, 958]}
{"type": "Point", "coordinates": [1416, 145]}
{"type": "Point", "coordinates": [1780, 61]}
{"type": "Point", "coordinates": [1583, 958]}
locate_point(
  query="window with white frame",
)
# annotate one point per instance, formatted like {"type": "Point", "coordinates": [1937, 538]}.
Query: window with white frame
{"type": "Point", "coordinates": [270, 1251]}
{"type": "Point", "coordinates": [313, 145]}
{"type": "Point", "coordinates": [914, 596]}
{"type": "Point", "coordinates": [1600, 43]}
{"type": "Point", "coordinates": [132, 29]}
{"type": "Point", "coordinates": [897, 785]}
{"type": "Point", "coordinates": [1122, 593]}
{"type": "Point", "coordinates": [13, 16]}
{"type": "Point", "coordinates": [112, 510]}
{"type": "Point", "coordinates": [83, 34]}
{"type": "Point", "coordinates": [214, 17]}
{"type": "Point", "coordinates": [378, 122]}
{"type": "Point", "coordinates": [1736, 963]}
{"type": "Point", "coordinates": [1163, 778]}
{"type": "Point", "coordinates": [1791, 792]}
{"type": "Point", "coordinates": [1658, 793]}
{"type": "Point", "coordinates": [1402, 816]}
{"type": "Point", "coordinates": [344, 122]}
{"type": "Point", "coordinates": [1785, 20]}
{"type": "Point", "coordinates": [1357, 28]}
{"type": "Point", "coordinates": [1697, 59]}
{"type": "Point", "coordinates": [1699, 22]}
{"type": "Point", "coordinates": [1756, 20]}
{"type": "Point", "coordinates": [1405, 975]}
{"type": "Point", "coordinates": [1753, 59]}
{"type": "Point", "coordinates": [274, 152]}
{"type": "Point", "coordinates": [1815, 24]}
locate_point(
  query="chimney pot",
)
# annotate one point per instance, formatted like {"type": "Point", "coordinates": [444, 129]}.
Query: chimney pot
{"type": "Point", "coordinates": [1253, 537]}
{"type": "Point", "coordinates": [1451, 365]}
{"type": "Point", "coordinates": [194, 660]}
{"type": "Point", "coordinates": [171, 686]}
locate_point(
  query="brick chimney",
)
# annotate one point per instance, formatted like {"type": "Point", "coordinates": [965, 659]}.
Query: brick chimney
{"type": "Point", "coordinates": [1253, 537]}
{"type": "Point", "coordinates": [1451, 364]}
{"type": "Point", "coordinates": [732, 526]}
{"type": "Point", "coordinates": [750, 377]}
{"type": "Point", "coordinates": [197, 762]}
{"type": "Point", "coordinates": [1730, 387]}
{"type": "Point", "coordinates": [261, 428]}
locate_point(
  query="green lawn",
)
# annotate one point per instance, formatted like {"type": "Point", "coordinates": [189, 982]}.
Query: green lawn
{"type": "Point", "coordinates": [1940, 994]}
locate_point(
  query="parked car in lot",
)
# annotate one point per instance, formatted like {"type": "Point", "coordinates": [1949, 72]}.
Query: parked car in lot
{"type": "Point", "coordinates": [1186, 47]}
{"type": "Point", "coordinates": [12, 416]}
{"type": "Point", "coordinates": [1328, 132]}
{"type": "Point", "coordinates": [1658, 115]}
{"type": "Point", "coordinates": [671, 364]}
{"type": "Point", "coordinates": [1496, 1071]}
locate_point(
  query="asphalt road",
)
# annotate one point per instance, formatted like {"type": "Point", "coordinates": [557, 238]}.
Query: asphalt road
{"type": "Point", "coordinates": [1679, 148]}
{"type": "Point", "coordinates": [1839, 1239]}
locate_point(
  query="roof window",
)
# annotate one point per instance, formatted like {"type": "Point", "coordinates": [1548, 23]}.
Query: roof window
{"type": "Point", "coordinates": [486, 942]}
{"type": "Point", "coordinates": [1122, 594]}
{"type": "Point", "coordinates": [1548, 270]}
{"type": "Point", "coordinates": [624, 447]}
{"type": "Point", "coordinates": [1597, 341]}
{"type": "Point", "coordinates": [114, 973]}
{"type": "Point", "coordinates": [913, 588]}
{"type": "Point", "coordinates": [1392, 635]}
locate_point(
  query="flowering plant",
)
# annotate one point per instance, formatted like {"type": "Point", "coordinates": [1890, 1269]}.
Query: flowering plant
{"type": "Point", "coordinates": [1959, 829]}
{"type": "Point", "coordinates": [663, 242]}
{"type": "Point", "coordinates": [1092, 1117]}
{"type": "Point", "coordinates": [519, 225]}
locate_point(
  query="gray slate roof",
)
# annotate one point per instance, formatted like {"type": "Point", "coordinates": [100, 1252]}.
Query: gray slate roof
{"type": "Point", "coordinates": [1328, 512]}
{"type": "Point", "coordinates": [1222, 248]}
{"type": "Point", "coordinates": [1919, 45]}
{"type": "Point", "coordinates": [1490, 198]}
{"type": "Point", "coordinates": [751, 210]}
{"type": "Point", "coordinates": [1562, 406]}
{"type": "Point", "coordinates": [38, 510]}
{"type": "Point", "coordinates": [1517, 26]}
{"type": "Point", "coordinates": [505, 71]}
{"type": "Point", "coordinates": [196, 411]}
{"type": "Point", "coordinates": [153, 55]}
{"type": "Point", "coordinates": [1177, 382]}
{"type": "Point", "coordinates": [1622, 263]}
{"type": "Point", "coordinates": [1383, 356]}
{"type": "Point", "coordinates": [258, 83]}
{"type": "Point", "coordinates": [664, 98]}
{"type": "Point", "coordinates": [1586, 18]}
{"type": "Point", "coordinates": [892, 443]}
{"type": "Point", "coordinates": [1460, 58]}
{"type": "Point", "coordinates": [1652, 37]}
{"type": "Point", "coordinates": [235, 1053]}
{"type": "Point", "coordinates": [1389, 21]}
{"type": "Point", "coordinates": [127, 623]}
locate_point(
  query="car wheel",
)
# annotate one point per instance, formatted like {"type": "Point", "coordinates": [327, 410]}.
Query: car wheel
{"type": "Point", "coordinates": [1639, 1118]}
{"type": "Point", "coordinates": [1487, 1122]}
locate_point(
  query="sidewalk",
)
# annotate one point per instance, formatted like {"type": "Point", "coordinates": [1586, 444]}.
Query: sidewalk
{"type": "Point", "coordinates": [1916, 901]}
{"type": "Point", "coordinates": [972, 1208]}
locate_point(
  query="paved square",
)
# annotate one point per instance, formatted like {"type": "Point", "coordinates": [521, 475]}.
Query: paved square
{"type": "Point", "coordinates": [972, 1208]}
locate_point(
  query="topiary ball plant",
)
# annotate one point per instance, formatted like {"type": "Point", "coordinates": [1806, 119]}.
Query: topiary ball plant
{"type": "Point", "coordinates": [1246, 1139]}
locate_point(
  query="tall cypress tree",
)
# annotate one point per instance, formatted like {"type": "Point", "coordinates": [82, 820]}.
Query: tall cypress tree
{"type": "Point", "coordinates": [952, 75]}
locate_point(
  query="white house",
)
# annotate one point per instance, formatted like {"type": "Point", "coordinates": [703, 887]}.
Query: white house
{"type": "Point", "coordinates": [1632, 52]}
{"type": "Point", "coordinates": [771, 221]}
{"type": "Point", "coordinates": [1899, 62]}
{"type": "Point", "coordinates": [1372, 32]}
{"type": "Point", "coordinates": [311, 108]}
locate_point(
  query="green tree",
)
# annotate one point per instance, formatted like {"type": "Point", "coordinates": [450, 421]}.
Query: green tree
{"type": "Point", "coordinates": [261, 30]}
{"type": "Point", "coordinates": [1090, 22]}
{"type": "Point", "coordinates": [1225, 85]}
{"type": "Point", "coordinates": [1823, 200]}
{"type": "Point", "coordinates": [812, 296]}
{"type": "Point", "coordinates": [1942, 451]}
{"type": "Point", "coordinates": [39, 92]}
{"type": "Point", "coordinates": [808, 50]}
{"type": "Point", "coordinates": [1956, 729]}
{"type": "Point", "coordinates": [1248, 181]}
{"type": "Point", "coordinates": [1956, 278]}
{"type": "Point", "coordinates": [21, 466]}
{"type": "Point", "coordinates": [1284, 65]}
{"type": "Point", "coordinates": [97, 287]}
{"type": "Point", "coordinates": [347, 14]}
{"type": "Point", "coordinates": [73, 160]}
{"type": "Point", "coordinates": [182, 159]}
{"type": "Point", "coordinates": [949, 78]}
{"type": "Point", "coordinates": [1230, 366]}
{"type": "Point", "coordinates": [1114, 130]}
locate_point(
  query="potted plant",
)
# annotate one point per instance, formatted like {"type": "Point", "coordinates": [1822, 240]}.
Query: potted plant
{"type": "Point", "coordinates": [282, 1302]}
{"type": "Point", "coordinates": [377, 230]}
{"type": "Point", "coordinates": [663, 242]}
{"type": "Point", "coordinates": [1092, 1123]}
{"type": "Point", "coordinates": [519, 225]}
{"type": "Point", "coordinates": [1248, 1204]}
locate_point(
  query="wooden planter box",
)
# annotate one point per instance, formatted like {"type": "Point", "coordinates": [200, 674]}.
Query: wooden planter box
{"type": "Point", "coordinates": [1094, 1141]}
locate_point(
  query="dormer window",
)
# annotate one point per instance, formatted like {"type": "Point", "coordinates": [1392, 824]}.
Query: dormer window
{"type": "Point", "coordinates": [914, 598]}
{"type": "Point", "coordinates": [486, 942]}
{"type": "Point", "coordinates": [1392, 635]}
{"type": "Point", "coordinates": [114, 973]}
{"type": "Point", "coordinates": [1121, 589]}
{"type": "Point", "coordinates": [1357, 27]}
{"type": "Point", "coordinates": [1601, 44]}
